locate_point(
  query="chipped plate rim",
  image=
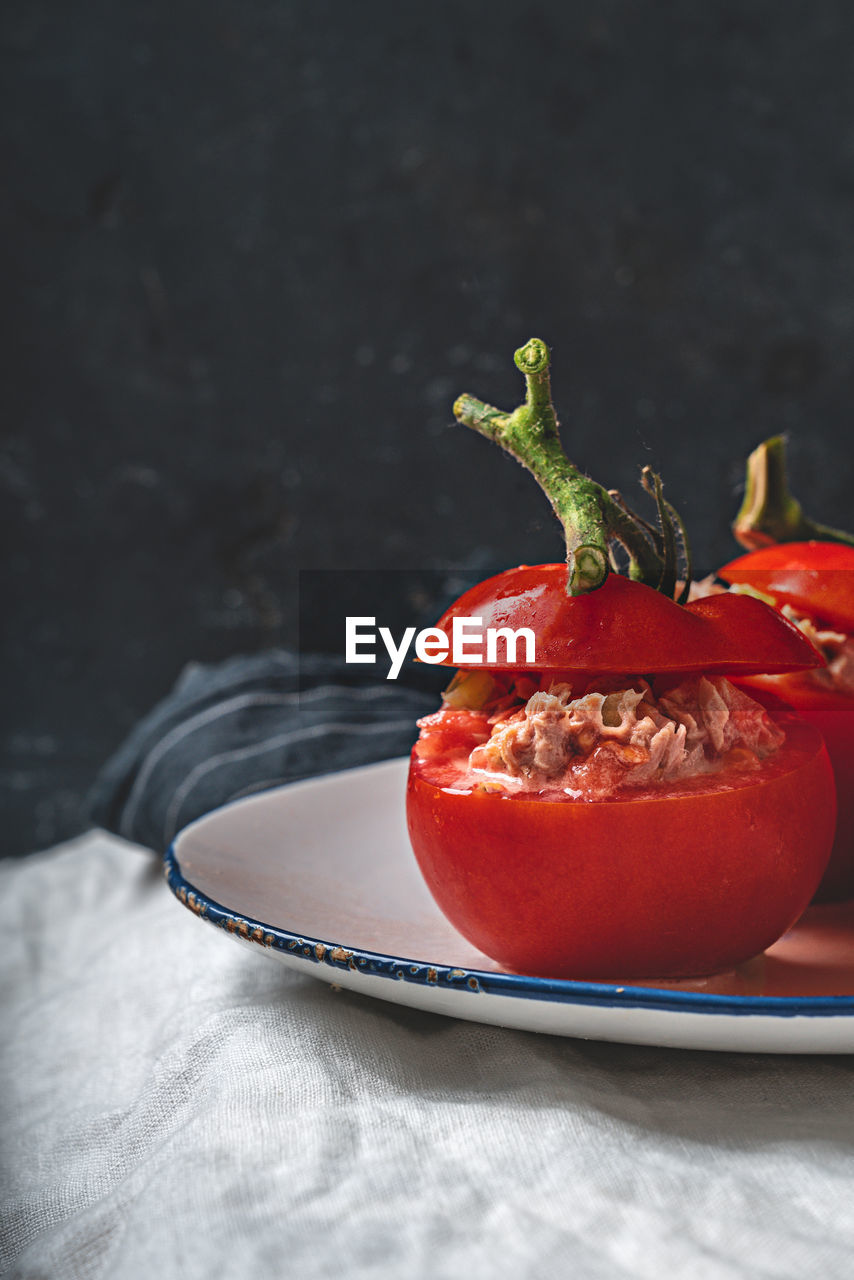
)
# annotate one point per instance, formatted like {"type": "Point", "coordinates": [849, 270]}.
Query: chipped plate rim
{"type": "Point", "coordinates": [324, 954]}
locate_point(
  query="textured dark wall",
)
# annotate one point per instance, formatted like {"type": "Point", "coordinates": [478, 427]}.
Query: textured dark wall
{"type": "Point", "coordinates": [254, 250]}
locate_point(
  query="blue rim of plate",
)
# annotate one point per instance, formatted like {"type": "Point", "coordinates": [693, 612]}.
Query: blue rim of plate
{"type": "Point", "coordinates": [317, 951]}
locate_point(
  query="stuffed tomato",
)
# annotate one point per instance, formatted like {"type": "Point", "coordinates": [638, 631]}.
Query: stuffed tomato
{"type": "Point", "coordinates": [581, 820]}
{"type": "Point", "coordinates": [812, 583]}
{"type": "Point", "coordinates": [613, 806]}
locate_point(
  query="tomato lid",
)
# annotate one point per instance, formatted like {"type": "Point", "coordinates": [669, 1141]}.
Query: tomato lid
{"type": "Point", "coordinates": [815, 578]}
{"type": "Point", "coordinates": [624, 627]}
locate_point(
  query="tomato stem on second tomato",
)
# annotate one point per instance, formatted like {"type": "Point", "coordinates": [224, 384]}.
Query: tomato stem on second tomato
{"type": "Point", "coordinates": [769, 512]}
{"type": "Point", "coordinates": [593, 518]}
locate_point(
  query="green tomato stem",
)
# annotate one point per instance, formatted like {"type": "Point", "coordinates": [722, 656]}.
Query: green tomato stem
{"type": "Point", "coordinates": [592, 517]}
{"type": "Point", "coordinates": [769, 512]}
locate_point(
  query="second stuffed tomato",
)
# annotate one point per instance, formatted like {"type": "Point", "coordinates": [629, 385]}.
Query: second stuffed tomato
{"type": "Point", "coordinates": [620, 809]}
{"type": "Point", "coordinates": [813, 582]}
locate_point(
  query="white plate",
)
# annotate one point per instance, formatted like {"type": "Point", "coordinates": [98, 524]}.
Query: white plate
{"type": "Point", "coordinates": [320, 874]}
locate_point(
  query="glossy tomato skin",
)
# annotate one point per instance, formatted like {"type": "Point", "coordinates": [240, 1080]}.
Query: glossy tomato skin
{"type": "Point", "coordinates": [626, 626]}
{"type": "Point", "coordinates": [816, 579]}
{"type": "Point", "coordinates": [832, 714]}
{"type": "Point", "coordinates": [679, 883]}
{"type": "Point", "coordinates": [836, 726]}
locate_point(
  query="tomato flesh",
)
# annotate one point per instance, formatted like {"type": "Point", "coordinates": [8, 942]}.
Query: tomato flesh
{"type": "Point", "coordinates": [678, 881]}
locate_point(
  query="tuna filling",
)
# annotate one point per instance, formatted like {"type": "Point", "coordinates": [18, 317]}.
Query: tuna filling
{"type": "Point", "coordinates": [598, 743]}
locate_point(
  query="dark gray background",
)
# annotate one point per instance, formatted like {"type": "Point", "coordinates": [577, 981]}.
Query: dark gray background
{"type": "Point", "coordinates": [254, 250]}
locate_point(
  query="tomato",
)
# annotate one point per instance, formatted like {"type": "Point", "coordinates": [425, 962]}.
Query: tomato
{"type": "Point", "coordinates": [670, 879]}
{"type": "Point", "coordinates": [817, 580]}
{"type": "Point", "coordinates": [661, 827]}
{"type": "Point", "coordinates": [625, 626]}
{"type": "Point", "coordinates": [680, 880]}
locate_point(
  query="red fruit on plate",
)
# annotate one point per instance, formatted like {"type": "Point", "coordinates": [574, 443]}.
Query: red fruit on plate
{"type": "Point", "coordinates": [673, 882]}
{"type": "Point", "coordinates": [606, 810]}
{"type": "Point", "coordinates": [816, 580]}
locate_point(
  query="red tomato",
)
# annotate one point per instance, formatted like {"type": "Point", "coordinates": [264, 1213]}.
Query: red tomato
{"type": "Point", "coordinates": [680, 881]}
{"type": "Point", "coordinates": [672, 880]}
{"type": "Point", "coordinates": [627, 627]}
{"type": "Point", "coordinates": [817, 580]}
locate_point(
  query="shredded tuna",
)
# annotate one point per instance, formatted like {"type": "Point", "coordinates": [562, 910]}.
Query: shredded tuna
{"type": "Point", "coordinates": [837, 647]}
{"type": "Point", "coordinates": [594, 744]}
{"type": "Point", "coordinates": [721, 717]}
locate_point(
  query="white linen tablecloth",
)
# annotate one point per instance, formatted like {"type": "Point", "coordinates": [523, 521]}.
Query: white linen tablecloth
{"type": "Point", "coordinates": [175, 1105]}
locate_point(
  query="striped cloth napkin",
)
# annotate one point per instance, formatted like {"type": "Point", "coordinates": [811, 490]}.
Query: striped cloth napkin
{"type": "Point", "coordinates": [245, 725]}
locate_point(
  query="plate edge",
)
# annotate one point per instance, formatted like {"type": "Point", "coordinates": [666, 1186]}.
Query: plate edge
{"type": "Point", "coordinates": [338, 955]}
